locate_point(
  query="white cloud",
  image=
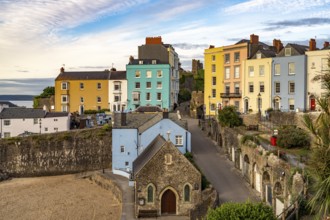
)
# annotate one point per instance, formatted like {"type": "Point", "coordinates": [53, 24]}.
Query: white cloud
{"type": "Point", "coordinates": [283, 6]}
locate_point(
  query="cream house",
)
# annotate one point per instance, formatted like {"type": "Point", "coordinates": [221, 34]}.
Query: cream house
{"type": "Point", "coordinates": [317, 63]}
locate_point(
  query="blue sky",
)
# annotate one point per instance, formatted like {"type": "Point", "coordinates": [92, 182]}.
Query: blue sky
{"type": "Point", "coordinates": [38, 36]}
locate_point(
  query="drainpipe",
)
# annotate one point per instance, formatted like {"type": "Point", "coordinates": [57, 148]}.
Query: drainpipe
{"type": "Point", "coordinates": [186, 141]}
{"type": "Point", "coordinates": [0, 128]}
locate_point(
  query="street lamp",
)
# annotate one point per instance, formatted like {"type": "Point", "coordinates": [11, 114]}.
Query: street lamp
{"type": "Point", "coordinates": [209, 106]}
{"type": "Point", "coordinates": [259, 103]}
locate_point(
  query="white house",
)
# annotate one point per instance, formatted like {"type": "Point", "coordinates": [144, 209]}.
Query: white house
{"type": "Point", "coordinates": [133, 132]}
{"type": "Point", "coordinates": [117, 91]}
{"type": "Point", "coordinates": [21, 121]}
{"type": "Point", "coordinates": [6, 104]}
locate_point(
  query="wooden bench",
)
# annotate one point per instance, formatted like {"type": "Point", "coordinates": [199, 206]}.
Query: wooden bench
{"type": "Point", "coordinates": [252, 127]}
{"type": "Point", "coordinates": [148, 213]}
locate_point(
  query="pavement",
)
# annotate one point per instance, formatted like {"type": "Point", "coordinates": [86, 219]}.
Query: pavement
{"type": "Point", "coordinates": [219, 170]}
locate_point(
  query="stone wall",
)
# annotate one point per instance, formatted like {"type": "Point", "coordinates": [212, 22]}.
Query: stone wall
{"type": "Point", "coordinates": [55, 154]}
{"type": "Point", "coordinates": [210, 199]}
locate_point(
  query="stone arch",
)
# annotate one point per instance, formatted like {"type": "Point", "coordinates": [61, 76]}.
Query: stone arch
{"type": "Point", "coordinates": [165, 191]}
{"type": "Point", "coordinates": [151, 188]}
{"type": "Point", "coordinates": [184, 192]}
{"type": "Point", "coordinates": [267, 193]}
{"type": "Point", "coordinates": [256, 177]}
{"type": "Point", "coordinates": [278, 189]}
{"type": "Point", "coordinates": [246, 167]}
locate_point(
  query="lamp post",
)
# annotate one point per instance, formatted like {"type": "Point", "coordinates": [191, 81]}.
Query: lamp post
{"type": "Point", "coordinates": [259, 103]}
{"type": "Point", "coordinates": [209, 107]}
{"type": "Point", "coordinates": [40, 124]}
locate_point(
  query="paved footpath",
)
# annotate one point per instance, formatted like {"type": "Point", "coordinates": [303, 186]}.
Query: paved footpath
{"type": "Point", "coordinates": [222, 174]}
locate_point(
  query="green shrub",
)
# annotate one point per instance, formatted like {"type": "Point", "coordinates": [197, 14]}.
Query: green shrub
{"type": "Point", "coordinates": [252, 138]}
{"type": "Point", "coordinates": [248, 210]}
{"type": "Point", "coordinates": [93, 112]}
{"type": "Point", "coordinates": [228, 117]}
{"type": "Point", "coordinates": [291, 137]}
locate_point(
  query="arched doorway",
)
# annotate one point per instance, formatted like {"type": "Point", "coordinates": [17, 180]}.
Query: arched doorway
{"type": "Point", "coordinates": [168, 202]}
{"type": "Point", "coordinates": [81, 110]}
{"type": "Point", "coordinates": [246, 106]}
{"type": "Point", "coordinates": [246, 168]}
{"type": "Point", "coordinates": [267, 188]}
{"type": "Point", "coordinates": [257, 178]}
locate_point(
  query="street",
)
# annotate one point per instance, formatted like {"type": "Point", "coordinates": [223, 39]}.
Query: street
{"type": "Point", "coordinates": [221, 173]}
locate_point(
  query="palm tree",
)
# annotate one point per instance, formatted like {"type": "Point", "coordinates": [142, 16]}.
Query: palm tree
{"type": "Point", "coordinates": [320, 157]}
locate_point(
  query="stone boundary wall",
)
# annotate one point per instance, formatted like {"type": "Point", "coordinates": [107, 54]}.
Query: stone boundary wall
{"type": "Point", "coordinates": [106, 183]}
{"type": "Point", "coordinates": [57, 153]}
{"type": "Point", "coordinates": [210, 199]}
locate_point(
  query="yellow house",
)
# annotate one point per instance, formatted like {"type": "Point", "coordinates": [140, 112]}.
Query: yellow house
{"type": "Point", "coordinates": [213, 79]}
{"type": "Point", "coordinates": [257, 86]}
{"type": "Point", "coordinates": [81, 91]}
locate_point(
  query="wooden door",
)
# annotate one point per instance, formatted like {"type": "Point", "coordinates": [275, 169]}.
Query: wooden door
{"type": "Point", "coordinates": [312, 104]}
{"type": "Point", "coordinates": [168, 202]}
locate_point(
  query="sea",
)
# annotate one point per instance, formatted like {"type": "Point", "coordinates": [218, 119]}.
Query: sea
{"type": "Point", "coordinates": [27, 104]}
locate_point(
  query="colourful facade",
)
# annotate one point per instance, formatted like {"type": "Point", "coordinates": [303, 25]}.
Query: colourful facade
{"type": "Point", "coordinates": [213, 80]}
{"type": "Point", "coordinates": [317, 63]}
{"type": "Point", "coordinates": [232, 70]}
{"type": "Point", "coordinates": [257, 85]}
{"type": "Point", "coordinates": [148, 84]}
{"type": "Point", "coordinates": [81, 91]}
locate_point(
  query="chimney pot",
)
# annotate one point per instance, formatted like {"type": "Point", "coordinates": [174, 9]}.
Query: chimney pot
{"type": "Point", "coordinates": [62, 69]}
{"type": "Point", "coordinates": [254, 39]}
{"type": "Point", "coordinates": [312, 44]}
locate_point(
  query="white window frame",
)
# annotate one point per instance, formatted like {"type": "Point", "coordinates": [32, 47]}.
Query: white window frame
{"type": "Point", "coordinates": [136, 96]}
{"type": "Point", "coordinates": [214, 68]}
{"type": "Point", "coordinates": [275, 87]}
{"type": "Point", "coordinates": [287, 51]}
{"type": "Point", "coordinates": [66, 86]}
{"type": "Point", "coordinates": [214, 81]}
{"type": "Point", "coordinates": [235, 57]}
{"type": "Point", "coordinates": [227, 55]}
{"type": "Point", "coordinates": [137, 74]}
{"type": "Point", "coordinates": [178, 140]}
{"type": "Point", "coordinates": [277, 69]}
{"type": "Point", "coordinates": [6, 122]}
{"type": "Point", "coordinates": [214, 93]}
{"type": "Point", "coordinates": [81, 85]}
{"type": "Point", "coordinates": [148, 99]}
{"type": "Point", "coordinates": [99, 85]}
{"type": "Point", "coordinates": [251, 87]}
{"type": "Point", "coordinates": [147, 86]}
{"type": "Point", "coordinates": [251, 71]}
{"type": "Point", "coordinates": [159, 96]}
{"type": "Point", "coordinates": [292, 68]}
{"type": "Point", "coordinates": [66, 97]}
{"type": "Point", "coordinates": [227, 72]}
{"type": "Point", "coordinates": [261, 70]}
{"type": "Point", "coordinates": [148, 74]}
{"type": "Point", "coordinates": [294, 87]}
{"type": "Point", "coordinates": [98, 99]}
{"type": "Point", "coordinates": [236, 72]}
{"type": "Point", "coordinates": [159, 85]}
{"type": "Point", "coordinates": [136, 85]}
{"type": "Point", "coordinates": [159, 73]}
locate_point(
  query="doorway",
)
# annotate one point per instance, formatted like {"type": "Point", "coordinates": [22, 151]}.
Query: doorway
{"type": "Point", "coordinates": [168, 202]}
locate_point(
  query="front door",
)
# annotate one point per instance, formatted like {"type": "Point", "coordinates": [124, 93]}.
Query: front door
{"type": "Point", "coordinates": [168, 202]}
{"type": "Point", "coordinates": [312, 104]}
{"type": "Point", "coordinates": [246, 106]}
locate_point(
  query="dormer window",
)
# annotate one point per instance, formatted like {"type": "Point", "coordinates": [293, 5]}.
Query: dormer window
{"type": "Point", "coordinates": [154, 62]}
{"type": "Point", "coordinates": [140, 61]}
{"type": "Point", "coordinates": [168, 159]}
{"type": "Point", "coordinates": [258, 55]}
{"type": "Point", "coordinates": [287, 51]}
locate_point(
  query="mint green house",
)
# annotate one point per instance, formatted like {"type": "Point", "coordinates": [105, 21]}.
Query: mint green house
{"type": "Point", "coordinates": [148, 84]}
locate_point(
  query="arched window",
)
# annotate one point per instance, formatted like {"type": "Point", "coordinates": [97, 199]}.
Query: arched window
{"type": "Point", "coordinates": [168, 159]}
{"type": "Point", "coordinates": [150, 190]}
{"type": "Point", "coordinates": [187, 193]}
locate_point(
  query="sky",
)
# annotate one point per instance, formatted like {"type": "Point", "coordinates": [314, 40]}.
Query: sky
{"type": "Point", "coordinates": [38, 37]}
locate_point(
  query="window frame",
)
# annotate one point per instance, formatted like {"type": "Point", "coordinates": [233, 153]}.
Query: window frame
{"type": "Point", "coordinates": [137, 74]}
{"type": "Point", "coordinates": [187, 193]}
{"type": "Point", "coordinates": [148, 85]}
{"type": "Point", "coordinates": [137, 85]}
{"type": "Point", "coordinates": [148, 74]}
{"type": "Point", "coordinates": [6, 122]}
{"type": "Point", "coordinates": [261, 70]}
{"type": "Point", "coordinates": [290, 83]}
{"type": "Point", "coordinates": [277, 87]}
{"type": "Point", "coordinates": [227, 58]}
{"type": "Point", "coordinates": [251, 87]}
{"type": "Point", "coordinates": [161, 85]}
{"type": "Point", "coordinates": [81, 86]}
{"type": "Point", "coordinates": [227, 72]}
{"type": "Point", "coordinates": [148, 94]}
{"type": "Point", "coordinates": [66, 86]}
{"type": "Point", "coordinates": [251, 71]}
{"type": "Point", "coordinates": [98, 85]}
{"type": "Point", "coordinates": [277, 69]}
{"type": "Point", "coordinates": [290, 69]}
{"type": "Point", "coordinates": [261, 87]}
{"type": "Point", "coordinates": [214, 80]}
{"type": "Point", "coordinates": [98, 99]}
{"type": "Point", "coordinates": [159, 96]}
{"type": "Point", "coordinates": [236, 73]}
{"type": "Point", "coordinates": [214, 93]}
{"type": "Point", "coordinates": [178, 140]}
{"type": "Point", "coordinates": [159, 73]}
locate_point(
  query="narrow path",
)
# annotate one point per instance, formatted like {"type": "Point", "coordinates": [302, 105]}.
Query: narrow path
{"type": "Point", "coordinates": [222, 174]}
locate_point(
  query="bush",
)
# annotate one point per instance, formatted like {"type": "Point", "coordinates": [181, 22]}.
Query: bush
{"type": "Point", "coordinates": [228, 117]}
{"type": "Point", "coordinates": [184, 95]}
{"type": "Point", "coordinates": [291, 137]}
{"type": "Point", "coordinates": [93, 112]}
{"type": "Point", "coordinates": [248, 210]}
{"type": "Point", "coordinates": [246, 138]}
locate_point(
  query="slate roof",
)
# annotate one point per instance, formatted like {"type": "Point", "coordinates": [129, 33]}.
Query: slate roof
{"type": "Point", "coordinates": [301, 49]}
{"type": "Point", "coordinates": [56, 114]}
{"type": "Point", "coordinates": [265, 53]}
{"type": "Point", "coordinates": [8, 103]}
{"type": "Point", "coordinates": [148, 153]}
{"type": "Point", "coordinates": [84, 75]}
{"type": "Point", "coordinates": [20, 112]}
{"type": "Point", "coordinates": [117, 75]}
{"type": "Point", "coordinates": [148, 109]}
{"type": "Point", "coordinates": [143, 121]}
{"type": "Point", "coordinates": [145, 61]}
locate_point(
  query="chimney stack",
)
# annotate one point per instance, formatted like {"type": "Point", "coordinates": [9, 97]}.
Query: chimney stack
{"type": "Point", "coordinates": [123, 119]}
{"type": "Point", "coordinates": [326, 44]}
{"type": "Point", "coordinates": [62, 69]}
{"type": "Point", "coordinates": [312, 44]}
{"type": "Point", "coordinates": [254, 39]}
{"type": "Point", "coordinates": [211, 46]}
{"type": "Point", "coordinates": [154, 40]}
{"type": "Point", "coordinates": [278, 45]}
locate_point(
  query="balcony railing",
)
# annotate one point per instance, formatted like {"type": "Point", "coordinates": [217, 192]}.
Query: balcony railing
{"type": "Point", "coordinates": [231, 95]}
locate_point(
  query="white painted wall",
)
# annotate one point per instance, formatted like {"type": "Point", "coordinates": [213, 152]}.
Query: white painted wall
{"type": "Point", "coordinates": [122, 93]}
{"type": "Point", "coordinates": [19, 125]}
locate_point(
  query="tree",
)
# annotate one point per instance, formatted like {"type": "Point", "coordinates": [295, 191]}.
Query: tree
{"type": "Point", "coordinates": [184, 95]}
{"type": "Point", "coordinates": [248, 210]}
{"type": "Point", "coordinates": [47, 92]}
{"type": "Point", "coordinates": [199, 80]}
{"type": "Point", "coordinates": [228, 117]}
{"type": "Point", "coordinates": [291, 137]}
{"type": "Point", "coordinates": [320, 157]}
